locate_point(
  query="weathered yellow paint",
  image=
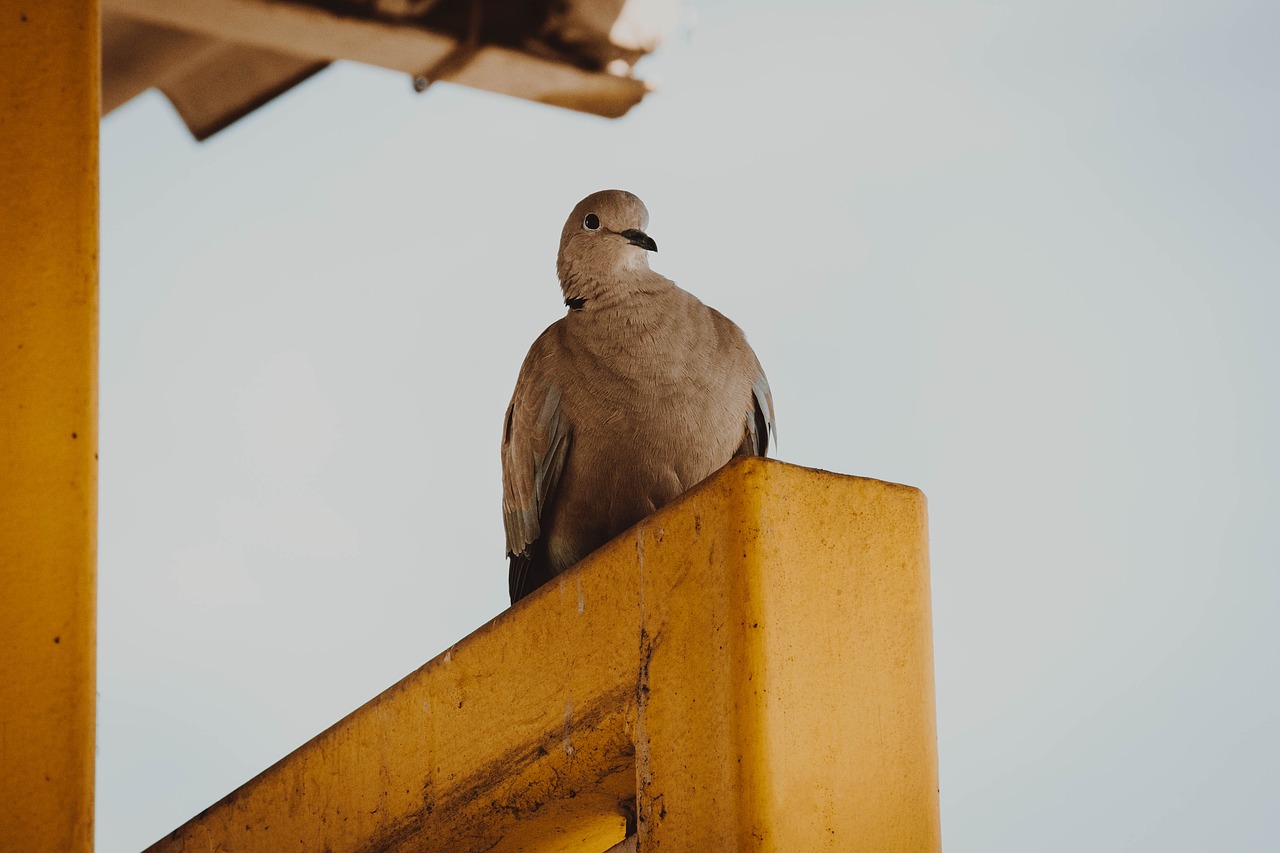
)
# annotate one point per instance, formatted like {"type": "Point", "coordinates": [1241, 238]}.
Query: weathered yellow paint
{"type": "Point", "coordinates": [49, 82]}
{"type": "Point", "coordinates": [787, 641]}
{"type": "Point", "coordinates": [748, 669]}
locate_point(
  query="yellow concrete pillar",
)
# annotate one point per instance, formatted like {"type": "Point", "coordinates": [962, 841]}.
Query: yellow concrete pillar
{"type": "Point", "coordinates": [49, 90]}
{"type": "Point", "coordinates": [788, 704]}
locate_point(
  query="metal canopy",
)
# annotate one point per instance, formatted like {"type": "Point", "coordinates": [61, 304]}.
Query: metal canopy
{"type": "Point", "coordinates": [218, 60]}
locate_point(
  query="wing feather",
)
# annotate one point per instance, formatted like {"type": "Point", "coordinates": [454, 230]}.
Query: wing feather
{"type": "Point", "coordinates": [761, 430]}
{"type": "Point", "coordinates": [535, 445]}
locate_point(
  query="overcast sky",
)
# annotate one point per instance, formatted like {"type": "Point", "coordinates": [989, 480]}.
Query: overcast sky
{"type": "Point", "coordinates": [1021, 255]}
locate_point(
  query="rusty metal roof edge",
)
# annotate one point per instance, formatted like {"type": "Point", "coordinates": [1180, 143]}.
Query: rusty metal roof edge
{"type": "Point", "coordinates": [311, 32]}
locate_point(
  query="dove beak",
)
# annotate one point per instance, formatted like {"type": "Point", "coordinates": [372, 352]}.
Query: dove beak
{"type": "Point", "coordinates": [636, 237]}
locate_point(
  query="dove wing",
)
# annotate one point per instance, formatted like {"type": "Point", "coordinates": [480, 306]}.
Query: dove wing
{"type": "Point", "coordinates": [535, 443]}
{"type": "Point", "coordinates": [761, 432]}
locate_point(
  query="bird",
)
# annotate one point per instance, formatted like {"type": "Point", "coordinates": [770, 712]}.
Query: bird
{"type": "Point", "coordinates": [636, 394]}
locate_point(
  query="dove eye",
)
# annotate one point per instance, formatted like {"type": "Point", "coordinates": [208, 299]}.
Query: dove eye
{"type": "Point", "coordinates": [592, 222]}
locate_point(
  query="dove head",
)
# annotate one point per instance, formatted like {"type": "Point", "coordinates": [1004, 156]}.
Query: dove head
{"type": "Point", "coordinates": [604, 249]}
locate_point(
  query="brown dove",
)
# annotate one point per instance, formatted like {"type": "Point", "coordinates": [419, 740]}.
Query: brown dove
{"type": "Point", "coordinates": [638, 393]}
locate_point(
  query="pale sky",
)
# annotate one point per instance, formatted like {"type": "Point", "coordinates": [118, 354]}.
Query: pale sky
{"type": "Point", "coordinates": [1022, 256]}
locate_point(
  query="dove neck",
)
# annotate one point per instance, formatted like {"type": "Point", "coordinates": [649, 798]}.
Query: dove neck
{"type": "Point", "coordinates": [633, 312]}
{"type": "Point", "coordinates": [589, 293]}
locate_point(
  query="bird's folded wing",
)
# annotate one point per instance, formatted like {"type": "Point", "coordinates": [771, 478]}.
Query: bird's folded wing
{"type": "Point", "coordinates": [762, 433]}
{"type": "Point", "coordinates": [535, 444]}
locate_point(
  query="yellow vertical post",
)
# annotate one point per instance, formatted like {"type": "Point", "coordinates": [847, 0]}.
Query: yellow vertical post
{"type": "Point", "coordinates": [788, 704]}
{"type": "Point", "coordinates": [49, 92]}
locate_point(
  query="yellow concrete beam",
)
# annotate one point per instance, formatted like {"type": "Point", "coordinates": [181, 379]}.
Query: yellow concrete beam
{"type": "Point", "coordinates": [748, 669]}
{"type": "Point", "coordinates": [49, 81]}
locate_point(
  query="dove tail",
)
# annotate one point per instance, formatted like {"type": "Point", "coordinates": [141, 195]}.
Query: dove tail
{"type": "Point", "coordinates": [529, 570]}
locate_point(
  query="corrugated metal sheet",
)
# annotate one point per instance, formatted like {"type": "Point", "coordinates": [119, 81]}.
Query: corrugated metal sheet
{"type": "Point", "coordinates": [218, 60]}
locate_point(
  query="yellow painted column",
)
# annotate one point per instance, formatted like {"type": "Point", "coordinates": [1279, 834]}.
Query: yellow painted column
{"type": "Point", "coordinates": [49, 92]}
{"type": "Point", "coordinates": [787, 658]}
